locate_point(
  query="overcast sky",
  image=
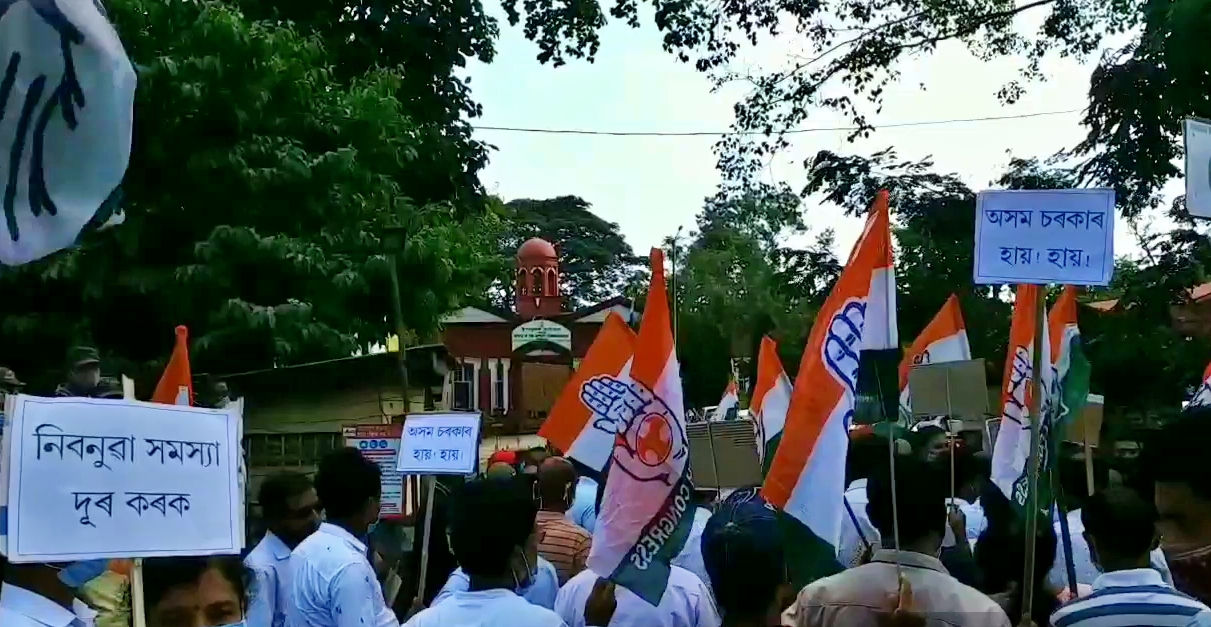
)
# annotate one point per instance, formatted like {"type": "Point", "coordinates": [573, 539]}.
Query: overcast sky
{"type": "Point", "coordinates": [652, 185]}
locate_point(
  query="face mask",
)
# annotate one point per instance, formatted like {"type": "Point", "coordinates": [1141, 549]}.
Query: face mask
{"type": "Point", "coordinates": [77, 574]}
{"type": "Point", "coordinates": [84, 614]}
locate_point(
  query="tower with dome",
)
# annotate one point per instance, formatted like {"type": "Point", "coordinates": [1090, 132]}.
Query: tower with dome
{"type": "Point", "coordinates": [511, 365]}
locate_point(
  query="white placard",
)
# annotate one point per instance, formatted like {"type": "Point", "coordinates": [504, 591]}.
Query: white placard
{"type": "Point", "coordinates": [1061, 236]}
{"type": "Point", "coordinates": [439, 444]}
{"type": "Point", "coordinates": [1198, 168]}
{"type": "Point", "coordinates": [95, 478]}
{"type": "Point", "coordinates": [66, 117]}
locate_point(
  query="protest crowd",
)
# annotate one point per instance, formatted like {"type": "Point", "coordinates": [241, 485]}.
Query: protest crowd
{"type": "Point", "coordinates": [900, 522]}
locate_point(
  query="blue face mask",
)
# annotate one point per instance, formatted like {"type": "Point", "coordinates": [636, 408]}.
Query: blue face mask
{"type": "Point", "coordinates": [77, 574]}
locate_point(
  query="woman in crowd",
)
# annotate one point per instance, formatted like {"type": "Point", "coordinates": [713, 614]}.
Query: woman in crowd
{"type": "Point", "coordinates": [195, 591]}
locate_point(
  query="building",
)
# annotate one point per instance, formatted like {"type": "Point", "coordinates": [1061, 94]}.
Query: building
{"type": "Point", "coordinates": [1192, 317]}
{"type": "Point", "coordinates": [512, 365]}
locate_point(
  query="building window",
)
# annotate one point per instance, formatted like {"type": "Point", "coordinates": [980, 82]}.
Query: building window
{"type": "Point", "coordinates": [536, 288]}
{"type": "Point", "coordinates": [498, 385]}
{"type": "Point", "coordinates": [551, 283]}
{"type": "Point", "coordinates": [464, 387]}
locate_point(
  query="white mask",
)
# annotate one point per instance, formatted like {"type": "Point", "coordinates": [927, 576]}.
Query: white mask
{"type": "Point", "coordinates": [85, 614]}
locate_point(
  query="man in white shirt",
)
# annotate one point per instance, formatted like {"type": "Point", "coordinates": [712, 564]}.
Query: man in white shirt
{"type": "Point", "coordinates": [690, 557]}
{"type": "Point", "coordinates": [291, 511]}
{"type": "Point", "coordinates": [33, 595]}
{"type": "Point", "coordinates": [495, 539]}
{"type": "Point", "coordinates": [686, 602]}
{"type": "Point", "coordinates": [332, 582]}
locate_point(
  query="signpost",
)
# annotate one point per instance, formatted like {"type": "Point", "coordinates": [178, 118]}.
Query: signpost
{"type": "Point", "coordinates": [380, 444]}
{"type": "Point", "coordinates": [1042, 237]}
{"type": "Point", "coordinates": [542, 331]}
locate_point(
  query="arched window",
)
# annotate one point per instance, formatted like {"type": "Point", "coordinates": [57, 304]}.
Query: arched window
{"type": "Point", "coordinates": [536, 286]}
{"type": "Point", "coordinates": [552, 287]}
{"type": "Point", "coordinates": [523, 284]}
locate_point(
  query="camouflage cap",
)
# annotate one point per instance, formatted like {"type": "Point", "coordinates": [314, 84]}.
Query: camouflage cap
{"type": "Point", "coordinates": [8, 378]}
{"type": "Point", "coordinates": [80, 356]}
{"type": "Point", "coordinates": [107, 387]}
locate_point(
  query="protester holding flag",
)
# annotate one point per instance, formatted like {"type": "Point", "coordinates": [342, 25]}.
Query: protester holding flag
{"type": "Point", "coordinates": [743, 555]}
{"type": "Point", "coordinates": [771, 398]}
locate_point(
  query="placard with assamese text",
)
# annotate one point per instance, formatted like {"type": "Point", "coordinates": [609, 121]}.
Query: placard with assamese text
{"type": "Point", "coordinates": [439, 444]}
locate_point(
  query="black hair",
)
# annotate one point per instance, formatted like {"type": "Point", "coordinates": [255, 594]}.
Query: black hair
{"type": "Point", "coordinates": [922, 436]}
{"type": "Point", "coordinates": [490, 519]}
{"type": "Point", "coordinates": [1175, 454]}
{"type": "Point", "coordinates": [866, 455]}
{"type": "Point", "coordinates": [1121, 522]}
{"type": "Point", "coordinates": [279, 488]}
{"type": "Point", "coordinates": [920, 493]}
{"type": "Point", "coordinates": [1000, 554]}
{"type": "Point", "coordinates": [162, 574]}
{"type": "Point", "coordinates": [346, 481]}
{"type": "Point", "coordinates": [745, 570]}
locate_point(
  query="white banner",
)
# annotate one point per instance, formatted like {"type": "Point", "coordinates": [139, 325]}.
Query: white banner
{"type": "Point", "coordinates": [1198, 168]}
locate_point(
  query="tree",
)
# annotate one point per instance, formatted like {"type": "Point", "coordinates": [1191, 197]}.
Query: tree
{"type": "Point", "coordinates": [258, 192]}
{"type": "Point", "coordinates": [851, 50]}
{"type": "Point", "coordinates": [595, 261]}
{"type": "Point", "coordinates": [739, 280]}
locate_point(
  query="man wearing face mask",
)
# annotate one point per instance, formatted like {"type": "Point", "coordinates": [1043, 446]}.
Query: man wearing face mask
{"type": "Point", "coordinates": [332, 583]}
{"type": "Point", "coordinates": [84, 372]}
{"type": "Point", "coordinates": [291, 510]}
{"type": "Point", "coordinates": [1175, 459]}
{"type": "Point", "coordinates": [494, 537]}
{"type": "Point", "coordinates": [45, 595]}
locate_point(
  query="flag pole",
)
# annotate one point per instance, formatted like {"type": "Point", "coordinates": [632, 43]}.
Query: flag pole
{"type": "Point", "coordinates": [1036, 423]}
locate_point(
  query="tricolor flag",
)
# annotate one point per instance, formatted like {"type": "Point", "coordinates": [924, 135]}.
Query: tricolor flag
{"type": "Point", "coordinates": [571, 426]}
{"type": "Point", "coordinates": [1011, 451]}
{"type": "Point", "coordinates": [176, 384]}
{"type": "Point", "coordinates": [643, 522]}
{"type": "Point", "coordinates": [943, 339]}
{"type": "Point", "coordinates": [1070, 368]}
{"type": "Point", "coordinates": [730, 401]}
{"type": "Point", "coordinates": [806, 479]}
{"type": "Point", "coordinates": [771, 398]}
{"type": "Point", "coordinates": [1202, 396]}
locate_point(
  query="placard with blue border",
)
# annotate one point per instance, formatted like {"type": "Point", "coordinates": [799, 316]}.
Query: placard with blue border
{"type": "Point", "coordinates": [439, 444]}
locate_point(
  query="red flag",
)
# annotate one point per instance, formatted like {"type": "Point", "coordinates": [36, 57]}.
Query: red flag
{"type": "Point", "coordinates": [176, 384]}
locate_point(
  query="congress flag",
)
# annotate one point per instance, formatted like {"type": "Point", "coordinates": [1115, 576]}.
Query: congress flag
{"type": "Point", "coordinates": [944, 339]}
{"type": "Point", "coordinates": [1202, 396]}
{"type": "Point", "coordinates": [644, 521]}
{"type": "Point", "coordinates": [1011, 451]}
{"type": "Point", "coordinates": [771, 399]}
{"type": "Point", "coordinates": [806, 479]}
{"type": "Point", "coordinates": [176, 384]}
{"type": "Point", "coordinates": [572, 426]}
{"type": "Point", "coordinates": [1070, 370]}
{"type": "Point", "coordinates": [730, 401]}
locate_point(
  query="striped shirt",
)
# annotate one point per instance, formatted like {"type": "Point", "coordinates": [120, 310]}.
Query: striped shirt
{"type": "Point", "coordinates": [1132, 598]}
{"type": "Point", "coordinates": [563, 543]}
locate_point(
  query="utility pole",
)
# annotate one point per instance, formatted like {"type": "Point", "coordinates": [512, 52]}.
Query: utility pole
{"type": "Point", "coordinates": [394, 239]}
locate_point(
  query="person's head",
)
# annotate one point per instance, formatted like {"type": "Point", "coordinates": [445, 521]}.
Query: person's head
{"type": "Point", "coordinates": [1174, 461]}
{"type": "Point", "coordinates": [508, 458]}
{"type": "Point", "coordinates": [1120, 528]}
{"type": "Point", "coordinates": [500, 470]}
{"type": "Point", "coordinates": [556, 484]}
{"type": "Point", "coordinates": [492, 532]}
{"type": "Point", "coordinates": [971, 472]}
{"type": "Point", "coordinates": [745, 561]}
{"type": "Point", "coordinates": [930, 442]}
{"type": "Point", "coordinates": [867, 453]}
{"type": "Point", "coordinates": [84, 367]}
{"type": "Point", "coordinates": [290, 506]}
{"type": "Point", "coordinates": [9, 384]}
{"type": "Point", "coordinates": [920, 493]}
{"type": "Point", "coordinates": [195, 591]}
{"type": "Point", "coordinates": [349, 487]}
{"type": "Point", "coordinates": [1000, 555]}
{"type": "Point", "coordinates": [532, 459]}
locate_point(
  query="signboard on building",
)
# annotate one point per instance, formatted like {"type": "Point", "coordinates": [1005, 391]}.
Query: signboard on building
{"type": "Point", "coordinates": [542, 331]}
{"type": "Point", "coordinates": [380, 444]}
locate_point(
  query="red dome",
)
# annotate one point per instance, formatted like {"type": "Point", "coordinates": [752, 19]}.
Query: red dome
{"type": "Point", "coordinates": [535, 249]}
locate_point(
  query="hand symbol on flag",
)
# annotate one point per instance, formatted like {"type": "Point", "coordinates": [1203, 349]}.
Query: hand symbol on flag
{"type": "Point", "coordinates": [647, 433]}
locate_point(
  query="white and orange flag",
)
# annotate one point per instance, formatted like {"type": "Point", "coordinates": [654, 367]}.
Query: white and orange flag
{"type": "Point", "coordinates": [943, 339]}
{"type": "Point", "coordinates": [643, 522]}
{"type": "Point", "coordinates": [730, 401]}
{"type": "Point", "coordinates": [806, 479]}
{"type": "Point", "coordinates": [771, 399]}
{"type": "Point", "coordinates": [176, 384]}
{"type": "Point", "coordinates": [571, 426]}
{"type": "Point", "coordinates": [1011, 450]}
{"type": "Point", "coordinates": [1202, 396]}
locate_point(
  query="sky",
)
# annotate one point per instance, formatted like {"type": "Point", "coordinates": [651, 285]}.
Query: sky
{"type": "Point", "coordinates": [651, 186]}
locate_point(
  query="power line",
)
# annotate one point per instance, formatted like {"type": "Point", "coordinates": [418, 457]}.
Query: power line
{"type": "Point", "coordinates": [572, 131]}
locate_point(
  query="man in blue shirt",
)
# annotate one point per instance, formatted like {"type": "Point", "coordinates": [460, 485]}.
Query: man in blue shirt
{"type": "Point", "coordinates": [290, 508]}
{"type": "Point", "coordinates": [332, 582]}
{"type": "Point", "coordinates": [1120, 528]}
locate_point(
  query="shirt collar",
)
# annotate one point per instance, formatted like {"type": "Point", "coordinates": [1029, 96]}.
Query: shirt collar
{"type": "Point", "coordinates": [1128, 578]}
{"type": "Point", "coordinates": [34, 606]}
{"type": "Point", "coordinates": [908, 558]}
{"type": "Point", "coordinates": [276, 547]}
{"type": "Point", "coordinates": [345, 536]}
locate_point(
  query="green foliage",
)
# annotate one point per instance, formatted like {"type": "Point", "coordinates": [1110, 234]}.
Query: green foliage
{"type": "Point", "coordinates": [260, 184]}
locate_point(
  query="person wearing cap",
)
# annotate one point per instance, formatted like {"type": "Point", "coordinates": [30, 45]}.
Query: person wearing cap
{"type": "Point", "coordinates": [9, 384]}
{"type": "Point", "coordinates": [745, 560]}
{"type": "Point", "coordinates": [84, 372]}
